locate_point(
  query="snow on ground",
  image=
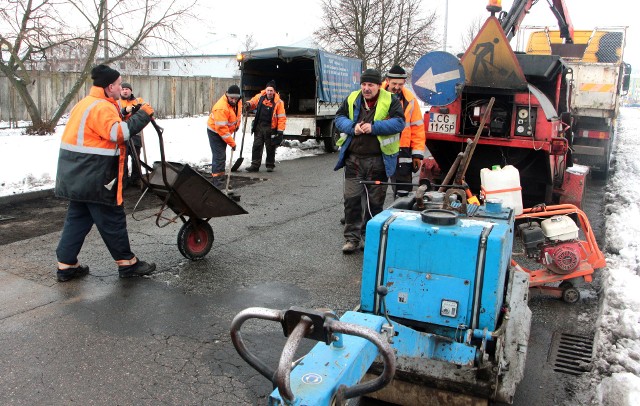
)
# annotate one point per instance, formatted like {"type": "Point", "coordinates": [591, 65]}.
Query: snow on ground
{"type": "Point", "coordinates": [617, 344]}
{"type": "Point", "coordinates": [29, 163]}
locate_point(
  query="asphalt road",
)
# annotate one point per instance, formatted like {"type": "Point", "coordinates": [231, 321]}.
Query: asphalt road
{"type": "Point", "coordinates": [165, 339]}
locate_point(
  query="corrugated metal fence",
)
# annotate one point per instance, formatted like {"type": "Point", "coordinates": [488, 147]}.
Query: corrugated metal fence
{"type": "Point", "coordinates": [169, 96]}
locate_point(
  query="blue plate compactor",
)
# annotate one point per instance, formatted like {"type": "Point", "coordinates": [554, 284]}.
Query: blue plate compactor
{"type": "Point", "coordinates": [443, 319]}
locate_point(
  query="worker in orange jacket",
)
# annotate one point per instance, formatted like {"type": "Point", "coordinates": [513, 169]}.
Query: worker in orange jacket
{"type": "Point", "coordinates": [130, 104]}
{"type": "Point", "coordinates": [268, 126]}
{"type": "Point", "coordinates": [412, 138]}
{"type": "Point", "coordinates": [90, 175]}
{"type": "Point", "coordinates": [222, 124]}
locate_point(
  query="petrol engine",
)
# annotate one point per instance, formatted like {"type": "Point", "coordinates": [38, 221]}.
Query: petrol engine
{"type": "Point", "coordinates": [553, 243]}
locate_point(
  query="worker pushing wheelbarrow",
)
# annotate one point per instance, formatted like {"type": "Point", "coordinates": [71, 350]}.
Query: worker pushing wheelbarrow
{"type": "Point", "coordinates": [192, 198]}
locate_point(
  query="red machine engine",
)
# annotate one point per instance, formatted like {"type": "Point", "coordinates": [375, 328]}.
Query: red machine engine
{"type": "Point", "coordinates": [553, 243]}
{"type": "Point", "coordinates": [562, 258]}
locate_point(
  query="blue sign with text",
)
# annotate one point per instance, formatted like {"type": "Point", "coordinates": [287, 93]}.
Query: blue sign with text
{"type": "Point", "coordinates": [438, 78]}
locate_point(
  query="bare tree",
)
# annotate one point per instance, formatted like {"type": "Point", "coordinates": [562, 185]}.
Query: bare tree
{"type": "Point", "coordinates": [467, 36]}
{"type": "Point", "coordinates": [249, 43]}
{"type": "Point", "coordinates": [380, 32]}
{"type": "Point", "coordinates": [35, 33]}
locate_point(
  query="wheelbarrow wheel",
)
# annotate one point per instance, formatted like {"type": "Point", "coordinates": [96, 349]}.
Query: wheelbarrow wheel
{"type": "Point", "coordinates": [195, 239]}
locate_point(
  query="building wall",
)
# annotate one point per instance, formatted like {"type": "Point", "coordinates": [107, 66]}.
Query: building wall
{"type": "Point", "coordinates": [220, 66]}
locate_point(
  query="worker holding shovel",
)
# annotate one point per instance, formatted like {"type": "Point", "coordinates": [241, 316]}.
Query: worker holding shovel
{"type": "Point", "coordinates": [223, 122]}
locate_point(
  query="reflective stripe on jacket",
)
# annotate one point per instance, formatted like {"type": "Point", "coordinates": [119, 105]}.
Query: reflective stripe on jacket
{"type": "Point", "coordinates": [387, 123]}
{"type": "Point", "coordinates": [93, 151]}
{"type": "Point", "coordinates": [224, 119]}
{"type": "Point", "coordinates": [413, 135]}
{"type": "Point", "coordinates": [279, 118]}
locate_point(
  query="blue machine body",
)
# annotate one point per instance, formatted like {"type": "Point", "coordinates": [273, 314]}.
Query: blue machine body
{"type": "Point", "coordinates": [443, 282]}
{"type": "Point", "coordinates": [315, 380]}
{"type": "Point", "coordinates": [438, 276]}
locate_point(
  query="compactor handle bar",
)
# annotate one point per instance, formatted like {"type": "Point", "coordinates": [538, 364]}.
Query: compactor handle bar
{"type": "Point", "coordinates": [298, 324]}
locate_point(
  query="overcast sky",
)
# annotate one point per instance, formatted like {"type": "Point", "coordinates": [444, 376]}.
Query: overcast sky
{"type": "Point", "coordinates": [289, 21]}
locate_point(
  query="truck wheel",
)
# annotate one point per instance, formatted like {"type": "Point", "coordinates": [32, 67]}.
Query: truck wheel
{"type": "Point", "coordinates": [330, 142]}
{"type": "Point", "coordinates": [195, 239]}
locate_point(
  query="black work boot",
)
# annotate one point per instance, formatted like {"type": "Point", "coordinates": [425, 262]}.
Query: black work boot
{"type": "Point", "coordinates": [252, 169]}
{"type": "Point", "coordinates": [140, 268]}
{"type": "Point", "coordinates": [65, 275]}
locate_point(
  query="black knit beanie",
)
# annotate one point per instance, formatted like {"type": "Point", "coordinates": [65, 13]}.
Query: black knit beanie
{"type": "Point", "coordinates": [396, 72]}
{"type": "Point", "coordinates": [233, 91]}
{"type": "Point", "coordinates": [103, 75]}
{"type": "Point", "coordinates": [271, 83]}
{"type": "Point", "coordinates": [126, 85]}
{"type": "Point", "coordinates": [371, 76]}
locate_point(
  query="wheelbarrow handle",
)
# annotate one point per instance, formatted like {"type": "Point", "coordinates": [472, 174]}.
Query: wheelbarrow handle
{"type": "Point", "coordinates": [163, 160]}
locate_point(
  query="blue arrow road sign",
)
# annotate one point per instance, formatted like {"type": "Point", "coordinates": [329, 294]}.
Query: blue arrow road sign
{"type": "Point", "coordinates": [437, 78]}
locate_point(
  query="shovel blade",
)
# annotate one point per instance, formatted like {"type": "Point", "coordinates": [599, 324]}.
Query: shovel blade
{"type": "Point", "coordinates": [237, 164]}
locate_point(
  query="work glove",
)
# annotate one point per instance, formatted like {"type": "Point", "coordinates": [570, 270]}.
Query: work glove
{"type": "Point", "coordinates": [233, 148]}
{"type": "Point", "coordinates": [277, 137]}
{"type": "Point", "coordinates": [147, 109]}
{"type": "Point", "coordinates": [415, 164]}
{"type": "Point", "coordinates": [135, 108]}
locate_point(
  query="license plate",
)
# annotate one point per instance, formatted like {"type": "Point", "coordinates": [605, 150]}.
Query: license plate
{"type": "Point", "coordinates": [442, 123]}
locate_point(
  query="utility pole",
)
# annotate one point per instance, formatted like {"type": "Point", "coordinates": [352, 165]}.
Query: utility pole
{"type": "Point", "coordinates": [106, 30]}
{"type": "Point", "coordinates": [446, 21]}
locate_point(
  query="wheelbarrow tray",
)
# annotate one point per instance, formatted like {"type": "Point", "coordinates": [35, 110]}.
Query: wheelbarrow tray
{"type": "Point", "coordinates": [189, 193]}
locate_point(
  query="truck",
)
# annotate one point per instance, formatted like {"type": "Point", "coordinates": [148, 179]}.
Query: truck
{"type": "Point", "coordinates": [311, 82]}
{"type": "Point", "coordinates": [555, 105]}
{"type": "Point", "coordinates": [600, 77]}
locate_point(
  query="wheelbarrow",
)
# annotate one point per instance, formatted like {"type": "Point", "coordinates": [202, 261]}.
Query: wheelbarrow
{"type": "Point", "coordinates": [192, 198]}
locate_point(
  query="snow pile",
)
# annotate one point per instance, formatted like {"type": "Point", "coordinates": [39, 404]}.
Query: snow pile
{"type": "Point", "coordinates": [618, 328]}
{"type": "Point", "coordinates": [29, 163]}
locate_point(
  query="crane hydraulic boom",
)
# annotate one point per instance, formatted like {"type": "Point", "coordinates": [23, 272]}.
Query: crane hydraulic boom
{"type": "Point", "coordinates": [511, 20]}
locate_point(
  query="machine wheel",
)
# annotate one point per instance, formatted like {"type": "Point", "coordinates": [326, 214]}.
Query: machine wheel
{"type": "Point", "coordinates": [195, 239]}
{"type": "Point", "coordinates": [569, 293]}
{"type": "Point", "coordinates": [330, 142]}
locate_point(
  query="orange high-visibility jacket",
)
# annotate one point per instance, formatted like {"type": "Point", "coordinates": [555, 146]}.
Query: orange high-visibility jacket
{"type": "Point", "coordinates": [279, 119]}
{"type": "Point", "coordinates": [224, 119]}
{"type": "Point", "coordinates": [93, 151]}
{"type": "Point", "coordinates": [413, 134]}
{"type": "Point", "coordinates": [124, 103]}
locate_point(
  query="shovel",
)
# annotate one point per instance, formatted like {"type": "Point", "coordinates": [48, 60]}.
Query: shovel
{"type": "Point", "coordinates": [238, 162]}
{"type": "Point", "coordinates": [226, 189]}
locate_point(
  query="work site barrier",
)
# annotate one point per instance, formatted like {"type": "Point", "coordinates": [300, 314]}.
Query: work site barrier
{"type": "Point", "coordinates": [170, 96]}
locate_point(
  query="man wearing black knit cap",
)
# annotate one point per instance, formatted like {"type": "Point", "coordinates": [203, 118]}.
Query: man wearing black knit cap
{"type": "Point", "coordinates": [222, 125]}
{"type": "Point", "coordinates": [412, 138]}
{"type": "Point", "coordinates": [90, 175]}
{"type": "Point", "coordinates": [370, 121]}
{"type": "Point", "coordinates": [129, 104]}
{"type": "Point", "coordinates": [268, 126]}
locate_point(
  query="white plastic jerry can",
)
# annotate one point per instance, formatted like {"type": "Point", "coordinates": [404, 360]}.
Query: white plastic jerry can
{"type": "Point", "coordinates": [503, 184]}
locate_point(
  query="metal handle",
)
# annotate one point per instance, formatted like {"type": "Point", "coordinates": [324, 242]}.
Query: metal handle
{"type": "Point", "coordinates": [236, 338]}
{"type": "Point", "coordinates": [386, 352]}
{"type": "Point", "coordinates": [281, 378]}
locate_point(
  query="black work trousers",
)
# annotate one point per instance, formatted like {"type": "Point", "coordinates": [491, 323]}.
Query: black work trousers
{"type": "Point", "coordinates": [404, 172]}
{"type": "Point", "coordinates": [135, 174]}
{"type": "Point", "coordinates": [111, 223]}
{"type": "Point", "coordinates": [262, 139]}
{"type": "Point", "coordinates": [362, 202]}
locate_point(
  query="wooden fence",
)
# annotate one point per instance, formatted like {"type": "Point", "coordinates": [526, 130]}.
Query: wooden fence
{"type": "Point", "coordinates": [170, 96]}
